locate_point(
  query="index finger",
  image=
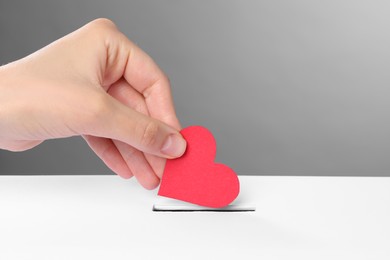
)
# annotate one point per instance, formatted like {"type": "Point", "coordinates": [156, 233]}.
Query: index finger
{"type": "Point", "coordinates": [143, 74]}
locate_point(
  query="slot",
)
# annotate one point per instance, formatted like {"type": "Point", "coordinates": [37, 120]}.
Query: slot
{"type": "Point", "coordinates": [195, 208]}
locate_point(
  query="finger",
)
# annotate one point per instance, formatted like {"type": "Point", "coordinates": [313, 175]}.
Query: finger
{"type": "Point", "coordinates": [143, 132]}
{"type": "Point", "coordinates": [134, 159]}
{"type": "Point", "coordinates": [157, 164]}
{"type": "Point", "coordinates": [143, 74]}
{"type": "Point", "coordinates": [138, 165]}
{"type": "Point", "coordinates": [128, 96]}
{"type": "Point", "coordinates": [109, 154]}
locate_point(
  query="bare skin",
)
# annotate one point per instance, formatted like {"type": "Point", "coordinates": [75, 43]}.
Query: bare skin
{"type": "Point", "coordinates": [95, 83]}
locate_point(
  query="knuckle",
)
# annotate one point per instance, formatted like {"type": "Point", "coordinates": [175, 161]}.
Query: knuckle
{"type": "Point", "coordinates": [140, 107]}
{"type": "Point", "coordinates": [107, 152]}
{"type": "Point", "coordinates": [166, 80]}
{"type": "Point", "coordinates": [103, 23]}
{"type": "Point", "coordinates": [149, 134]}
{"type": "Point", "coordinates": [128, 152]}
{"type": "Point", "coordinates": [161, 84]}
{"type": "Point", "coordinates": [101, 28]}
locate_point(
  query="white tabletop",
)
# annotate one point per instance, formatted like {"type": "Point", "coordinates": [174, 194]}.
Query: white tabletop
{"type": "Point", "coordinates": [105, 217]}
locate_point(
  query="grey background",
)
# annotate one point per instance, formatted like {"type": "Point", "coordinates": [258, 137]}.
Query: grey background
{"type": "Point", "coordinates": [287, 87]}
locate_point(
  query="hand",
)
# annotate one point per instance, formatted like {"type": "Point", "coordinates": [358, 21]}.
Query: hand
{"type": "Point", "coordinates": [96, 83]}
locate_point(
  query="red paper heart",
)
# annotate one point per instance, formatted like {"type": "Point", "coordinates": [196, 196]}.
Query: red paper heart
{"type": "Point", "coordinates": [195, 177]}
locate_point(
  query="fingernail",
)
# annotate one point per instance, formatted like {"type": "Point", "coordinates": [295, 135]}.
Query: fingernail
{"type": "Point", "coordinates": [174, 146]}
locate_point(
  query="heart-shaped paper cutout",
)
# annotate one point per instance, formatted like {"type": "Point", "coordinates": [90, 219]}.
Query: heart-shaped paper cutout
{"type": "Point", "coordinates": [195, 178]}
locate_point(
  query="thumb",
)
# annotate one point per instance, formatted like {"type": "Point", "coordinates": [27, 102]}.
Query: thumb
{"type": "Point", "coordinates": [119, 122]}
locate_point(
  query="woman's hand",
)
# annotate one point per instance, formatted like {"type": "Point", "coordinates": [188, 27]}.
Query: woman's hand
{"type": "Point", "coordinates": [96, 83]}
